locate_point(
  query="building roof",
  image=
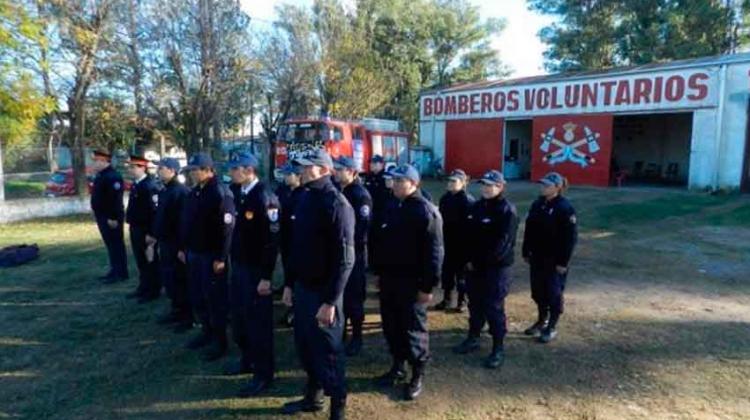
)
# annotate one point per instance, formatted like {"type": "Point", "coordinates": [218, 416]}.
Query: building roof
{"type": "Point", "coordinates": [671, 65]}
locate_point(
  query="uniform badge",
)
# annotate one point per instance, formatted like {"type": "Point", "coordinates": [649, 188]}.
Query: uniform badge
{"type": "Point", "coordinates": [486, 220]}
{"type": "Point", "coordinates": [249, 215]}
{"type": "Point", "coordinates": [117, 186]}
{"type": "Point", "coordinates": [573, 219]}
{"type": "Point", "coordinates": [155, 198]}
{"type": "Point", "coordinates": [364, 211]}
{"type": "Point", "coordinates": [228, 218]}
{"type": "Point", "coordinates": [273, 215]}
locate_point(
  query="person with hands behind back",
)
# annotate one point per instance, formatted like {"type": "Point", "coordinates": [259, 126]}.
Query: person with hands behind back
{"type": "Point", "coordinates": [549, 239]}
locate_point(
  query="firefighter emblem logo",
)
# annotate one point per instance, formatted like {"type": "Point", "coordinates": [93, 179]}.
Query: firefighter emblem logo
{"type": "Point", "coordinates": [570, 149]}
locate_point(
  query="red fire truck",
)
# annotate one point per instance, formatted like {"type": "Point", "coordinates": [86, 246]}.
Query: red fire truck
{"type": "Point", "coordinates": [359, 140]}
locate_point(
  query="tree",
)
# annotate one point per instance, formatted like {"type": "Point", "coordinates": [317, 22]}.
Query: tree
{"type": "Point", "coordinates": [85, 31]}
{"type": "Point", "coordinates": [596, 34]}
{"type": "Point", "coordinates": [21, 101]}
{"type": "Point", "coordinates": [198, 65]}
{"type": "Point", "coordinates": [458, 33]}
{"type": "Point", "coordinates": [351, 83]}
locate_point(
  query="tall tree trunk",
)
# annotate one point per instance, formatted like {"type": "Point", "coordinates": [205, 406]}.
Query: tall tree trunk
{"type": "Point", "coordinates": [78, 153]}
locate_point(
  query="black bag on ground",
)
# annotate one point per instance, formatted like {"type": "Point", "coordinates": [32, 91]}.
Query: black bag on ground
{"type": "Point", "coordinates": [15, 255]}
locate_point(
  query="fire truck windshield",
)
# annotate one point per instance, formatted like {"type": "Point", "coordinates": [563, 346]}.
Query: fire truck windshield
{"type": "Point", "coordinates": [304, 132]}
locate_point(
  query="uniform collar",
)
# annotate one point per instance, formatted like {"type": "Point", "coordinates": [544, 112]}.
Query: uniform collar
{"type": "Point", "coordinates": [320, 183]}
{"type": "Point", "coordinates": [245, 189]}
{"type": "Point", "coordinates": [138, 181]}
{"type": "Point", "coordinates": [212, 181]}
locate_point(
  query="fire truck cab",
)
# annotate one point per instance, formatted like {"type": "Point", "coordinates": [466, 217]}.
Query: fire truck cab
{"type": "Point", "coordinates": [359, 140]}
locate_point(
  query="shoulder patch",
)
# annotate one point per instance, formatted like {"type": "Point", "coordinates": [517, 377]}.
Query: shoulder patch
{"type": "Point", "coordinates": [273, 214]}
{"type": "Point", "coordinates": [155, 198]}
{"type": "Point", "coordinates": [573, 219]}
{"type": "Point", "coordinates": [364, 211]}
{"type": "Point", "coordinates": [228, 218]}
{"type": "Point", "coordinates": [117, 186]}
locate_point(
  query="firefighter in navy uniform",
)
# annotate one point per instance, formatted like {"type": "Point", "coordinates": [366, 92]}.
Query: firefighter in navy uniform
{"type": "Point", "coordinates": [254, 253]}
{"type": "Point", "coordinates": [491, 238]}
{"type": "Point", "coordinates": [169, 217]}
{"type": "Point", "coordinates": [375, 183]}
{"type": "Point", "coordinates": [549, 239]}
{"type": "Point", "coordinates": [209, 221]}
{"type": "Point", "coordinates": [322, 257]}
{"type": "Point", "coordinates": [356, 288]}
{"type": "Point", "coordinates": [140, 215]}
{"type": "Point", "coordinates": [454, 207]}
{"type": "Point", "coordinates": [288, 194]}
{"type": "Point", "coordinates": [107, 205]}
{"type": "Point", "coordinates": [409, 259]}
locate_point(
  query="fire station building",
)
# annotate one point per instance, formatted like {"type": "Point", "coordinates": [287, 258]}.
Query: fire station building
{"type": "Point", "coordinates": [683, 123]}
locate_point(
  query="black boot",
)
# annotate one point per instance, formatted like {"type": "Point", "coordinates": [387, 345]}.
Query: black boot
{"type": "Point", "coordinates": [550, 332]}
{"type": "Point", "coordinates": [469, 345]}
{"type": "Point", "coordinates": [446, 302]}
{"type": "Point", "coordinates": [541, 322]}
{"type": "Point", "coordinates": [496, 358]}
{"type": "Point", "coordinates": [393, 376]}
{"type": "Point", "coordinates": [311, 403]}
{"type": "Point", "coordinates": [201, 340]}
{"type": "Point", "coordinates": [338, 408]}
{"type": "Point", "coordinates": [414, 388]}
{"type": "Point", "coordinates": [461, 304]}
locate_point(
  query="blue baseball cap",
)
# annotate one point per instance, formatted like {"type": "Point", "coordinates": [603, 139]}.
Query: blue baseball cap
{"type": "Point", "coordinates": [170, 163]}
{"type": "Point", "coordinates": [377, 159]}
{"type": "Point", "coordinates": [200, 160]}
{"type": "Point", "coordinates": [552, 178]}
{"type": "Point", "coordinates": [406, 171]}
{"type": "Point", "coordinates": [317, 157]}
{"type": "Point", "coordinates": [243, 160]}
{"type": "Point", "coordinates": [345, 162]}
{"type": "Point", "coordinates": [493, 177]}
{"type": "Point", "coordinates": [458, 174]}
{"type": "Point", "coordinates": [289, 168]}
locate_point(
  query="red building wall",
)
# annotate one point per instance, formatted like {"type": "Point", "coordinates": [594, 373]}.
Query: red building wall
{"type": "Point", "coordinates": [565, 150]}
{"type": "Point", "coordinates": [475, 146]}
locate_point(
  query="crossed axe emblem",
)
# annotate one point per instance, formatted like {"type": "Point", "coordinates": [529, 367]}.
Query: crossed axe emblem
{"type": "Point", "coordinates": [569, 149]}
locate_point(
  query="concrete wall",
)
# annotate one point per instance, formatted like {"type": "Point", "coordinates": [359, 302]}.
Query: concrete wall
{"type": "Point", "coordinates": [702, 149]}
{"type": "Point", "coordinates": [731, 146]}
{"type": "Point", "coordinates": [17, 210]}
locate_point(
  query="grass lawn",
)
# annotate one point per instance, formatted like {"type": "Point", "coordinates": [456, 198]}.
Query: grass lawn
{"type": "Point", "coordinates": [657, 326]}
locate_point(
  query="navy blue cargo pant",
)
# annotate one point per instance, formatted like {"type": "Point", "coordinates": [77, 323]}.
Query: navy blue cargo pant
{"type": "Point", "coordinates": [487, 289]}
{"type": "Point", "coordinates": [252, 320]}
{"type": "Point", "coordinates": [115, 243]}
{"type": "Point", "coordinates": [208, 294]}
{"type": "Point", "coordinates": [320, 349]}
{"type": "Point", "coordinates": [547, 287]}
{"type": "Point", "coordinates": [404, 321]}
{"type": "Point", "coordinates": [452, 275]}
{"type": "Point", "coordinates": [356, 292]}
{"type": "Point", "coordinates": [149, 283]}
{"type": "Point", "coordinates": [173, 274]}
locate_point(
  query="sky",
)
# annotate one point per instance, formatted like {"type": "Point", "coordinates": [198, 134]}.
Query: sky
{"type": "Point", "coordinates": [518, 45]}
